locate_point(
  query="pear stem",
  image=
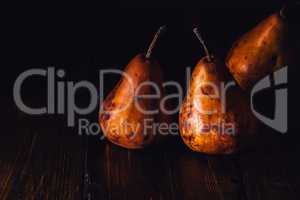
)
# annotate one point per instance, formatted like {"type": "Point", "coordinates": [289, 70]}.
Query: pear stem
{"type": "Point", "coordinates": [195, 30]}
{"type": "Point", "coordinates": [153, 42]}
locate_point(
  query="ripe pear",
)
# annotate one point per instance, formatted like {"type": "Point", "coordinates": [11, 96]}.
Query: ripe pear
{"type": "Point", "coordinates": [207, 124]}
{"type": "Point", "coordinates": [260, 51]}
{"type": "Point", "coordinates": [125, 117]}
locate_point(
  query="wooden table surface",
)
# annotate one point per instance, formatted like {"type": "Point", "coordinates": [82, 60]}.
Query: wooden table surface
{"type": "Point", "coordinates": [43, 159]}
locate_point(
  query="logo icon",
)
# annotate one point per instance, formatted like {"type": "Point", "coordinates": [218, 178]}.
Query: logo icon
{"type": "Point", "coordinates": [279, 122]}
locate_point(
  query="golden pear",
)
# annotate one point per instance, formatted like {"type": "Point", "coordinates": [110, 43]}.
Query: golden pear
{"type": "Point", "coordinates": [213, 119]}
{"type": "Point", "coordinates": [126, 118]}
{"type": "Point", "coordinates": [259, 52]}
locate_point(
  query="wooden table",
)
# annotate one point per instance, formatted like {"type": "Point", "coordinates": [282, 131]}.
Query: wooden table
{"type": "Point", "coordinates": [40, 158]}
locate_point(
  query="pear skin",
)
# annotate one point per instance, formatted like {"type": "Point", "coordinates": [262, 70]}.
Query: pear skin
{"type": "Point", "coordinates": [259, 52]}
{"type": "Point", "coordinates": [129, 116]}
{"type": "Point", "coordinates": [123, 118]}
{"type": "Point", "coordinates": [204, 126]}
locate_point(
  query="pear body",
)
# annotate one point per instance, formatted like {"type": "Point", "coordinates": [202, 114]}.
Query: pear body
{"type": "Point", "coordinates": [126, 119]}
{"type": "Point", "coordinates": [204, 124]}
{"type": "Point", "coordinates": [259, 52]}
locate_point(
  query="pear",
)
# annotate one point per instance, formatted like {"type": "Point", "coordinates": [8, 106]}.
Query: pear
{"type": "Point", "coordinates": [125, 117]}
{"type": "Point", "coordinates": [260, 51]}
{"type": "Point", "coordinates": [207, 124]}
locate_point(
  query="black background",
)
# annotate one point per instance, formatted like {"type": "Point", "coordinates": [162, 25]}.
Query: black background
{"type": "Point", "coordinates": [83, 38]}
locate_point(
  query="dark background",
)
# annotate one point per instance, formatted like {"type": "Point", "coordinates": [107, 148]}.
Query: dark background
{"type": "Point", "coordinates": [84, 38]}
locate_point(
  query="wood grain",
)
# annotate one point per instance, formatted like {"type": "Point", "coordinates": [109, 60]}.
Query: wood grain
{"type": "Point", "coordinates": [42, 159]}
